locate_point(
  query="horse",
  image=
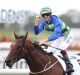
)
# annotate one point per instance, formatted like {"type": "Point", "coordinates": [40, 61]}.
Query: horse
{"type": "Point", "coordinates": [39, 61]}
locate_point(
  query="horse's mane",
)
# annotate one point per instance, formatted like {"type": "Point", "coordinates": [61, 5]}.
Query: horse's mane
{"type": "Point", "coordinates": [19, 37]}
{"type": "Point", "coordinates": [36, 44]}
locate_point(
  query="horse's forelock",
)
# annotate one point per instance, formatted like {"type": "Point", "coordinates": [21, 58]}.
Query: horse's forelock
{"type": "Point", "coordinates": [19, 37]}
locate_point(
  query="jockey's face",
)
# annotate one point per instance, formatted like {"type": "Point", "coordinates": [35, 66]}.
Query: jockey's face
{"type": "Point", "coordinates": [46, 16]}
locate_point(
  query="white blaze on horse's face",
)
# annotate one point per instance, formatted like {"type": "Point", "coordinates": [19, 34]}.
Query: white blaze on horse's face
{"type": "Point", "coordinates": [13, 44]}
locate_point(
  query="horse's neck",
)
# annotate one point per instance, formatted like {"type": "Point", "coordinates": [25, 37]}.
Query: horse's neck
{"type": "Point", "coordinates": [36, 59]}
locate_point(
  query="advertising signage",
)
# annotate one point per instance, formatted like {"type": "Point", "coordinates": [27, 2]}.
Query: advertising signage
{"type": "Point", "coordinates": [12, 16]}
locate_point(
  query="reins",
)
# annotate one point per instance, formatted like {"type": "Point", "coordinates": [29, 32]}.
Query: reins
{"type": "Point", "coordinates": [46, 46]}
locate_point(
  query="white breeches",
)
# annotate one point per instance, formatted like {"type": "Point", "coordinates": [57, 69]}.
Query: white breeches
{"type": "Point", "coordinates": [62, 43]}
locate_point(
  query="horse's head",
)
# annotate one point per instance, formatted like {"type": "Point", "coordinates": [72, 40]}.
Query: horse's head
{"type": "Point", "coordinates": [16, 50]}
{"type": "Point", "coordinates": [24, 48]}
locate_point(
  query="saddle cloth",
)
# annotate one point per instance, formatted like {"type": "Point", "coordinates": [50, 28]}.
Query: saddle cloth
{"type": "Point", "coordinates": [74, 60]}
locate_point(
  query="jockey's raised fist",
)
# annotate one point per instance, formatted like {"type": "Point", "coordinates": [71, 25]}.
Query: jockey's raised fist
{"type": "Point", "coordinates": [37, 19]}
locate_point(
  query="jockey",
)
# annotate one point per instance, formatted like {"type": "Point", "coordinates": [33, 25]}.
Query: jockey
{"type": "Point", "coordinates": [61, 33]}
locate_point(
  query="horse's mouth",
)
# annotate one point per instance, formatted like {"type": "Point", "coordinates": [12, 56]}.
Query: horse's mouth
{"type": "Point", "coordinates": [9, 63]}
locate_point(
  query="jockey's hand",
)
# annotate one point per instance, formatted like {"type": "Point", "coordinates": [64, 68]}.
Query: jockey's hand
{"type": "Point", "coordinates": [43, 41]}
{"type": "Point", "coordinates": [37, 19]}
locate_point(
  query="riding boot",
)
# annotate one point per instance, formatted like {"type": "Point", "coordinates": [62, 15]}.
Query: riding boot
{"type": "Point", "coordinates": [67, 61]}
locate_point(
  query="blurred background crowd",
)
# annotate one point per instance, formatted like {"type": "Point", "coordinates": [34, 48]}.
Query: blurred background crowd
{"type": "Point", "coordinates": [71, 18]}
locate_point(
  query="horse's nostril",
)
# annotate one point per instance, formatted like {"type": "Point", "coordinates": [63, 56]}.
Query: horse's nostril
{"type": "Point", "coordinates": [8, 62]}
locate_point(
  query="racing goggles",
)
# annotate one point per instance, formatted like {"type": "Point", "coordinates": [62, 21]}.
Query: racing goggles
{"type": "Point", "coordinates": [46, 14]}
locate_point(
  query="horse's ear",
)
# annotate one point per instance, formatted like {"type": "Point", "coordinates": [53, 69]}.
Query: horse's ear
{"type": "Point", "coordinates": [25, 36]}
{"type": "Point", "coordinates": [16, 37]}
